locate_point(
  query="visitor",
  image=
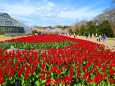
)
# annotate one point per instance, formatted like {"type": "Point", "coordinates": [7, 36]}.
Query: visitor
{"type": "Point", "coordinates": [99, 39]}
{"type": "Point", "coordinates": [93, 35]}
{"type": "Point", "coordinates": [86, 34]}
{"type": "Point", "coordinates": [74, 35]}
{"type": "Point", "coordinates": [103, 37]}
{"type": "Point", "coordinates": [96, 35]}
{"type": "Point", "coordinates": [90, 35]}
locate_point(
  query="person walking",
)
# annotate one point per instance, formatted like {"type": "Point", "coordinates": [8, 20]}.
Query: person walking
{"type": "Point", "coordinates": [86, 34]}
{"type": "Point", "coordinates": [99, 38]}
{"type": "Point", "coordinates": [103, 37]}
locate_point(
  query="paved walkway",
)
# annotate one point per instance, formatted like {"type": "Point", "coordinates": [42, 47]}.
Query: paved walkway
{"type": "Point", "coordinates": [3, 37]}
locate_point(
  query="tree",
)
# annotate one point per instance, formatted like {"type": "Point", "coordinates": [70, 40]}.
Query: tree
{"type": "Point", "coordinates": [108, 14]}
{"type": "Point", "coordinates": [91, 27]}
{"type": "Point", "coordinates": [65, 27]}
{"type": "Point", "coordinates": [58, 26]}
{"type": "Point", "coordinates": [105, 28]}
{"type": "Point", "coordinates": [34, 31]}
{"type": "Point", "coordinates": [40, 27]}
{"type": "Point", "coordinates": [70, 31]}
{"type": "Point", "coordinates": [82, 30]}
{"type": "Point", "coordinates": [76, 31]}
{"type": "Point", "coordinates": [50, 27]}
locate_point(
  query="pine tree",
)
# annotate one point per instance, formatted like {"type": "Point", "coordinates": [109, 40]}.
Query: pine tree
{"type": "Point", "coordinates": [105, 28]}
{"type": "Point", "coordinates": [91, 27]}
{"type": "Point", "coordinates": [82, 30]}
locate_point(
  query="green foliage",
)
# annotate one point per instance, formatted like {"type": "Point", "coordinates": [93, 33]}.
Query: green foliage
{"type": "Point", "coordinates": [58, 26]}
{"type": "Point", "coordinates": [105, 28]}
{"type": "Point", "coordinates": [14, 34]}
{"type": "Point", "coordinates": [91, 27]}
{"type": "Point", "coordinates": [34, 31]}
{"type": "Point", "coordinates": [70, 31]}
{"type": "Point", "coordinates": [50, 27]}
{"type": "Point", "coordinates": [1, 33]}
{"type": "Point", "coordinates": [66, 27]}
{"type": "Point", "coordinates": [1, 30]}
{"type": "Point", "coordinates": [82, 30]}
{"type": "Point", "coordinates": [76, 33]}
{"type": "Point", "coordinates": [44, 45]}
{"type": "Point", "coordinates": [62, 27]}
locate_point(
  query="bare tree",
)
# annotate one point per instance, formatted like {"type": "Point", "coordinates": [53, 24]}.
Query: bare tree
{"type": "Point", "coordinates": [108, 14]}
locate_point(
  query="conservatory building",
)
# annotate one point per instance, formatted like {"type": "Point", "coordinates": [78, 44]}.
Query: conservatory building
{"type": "Point", "coordinates": [10, 25]}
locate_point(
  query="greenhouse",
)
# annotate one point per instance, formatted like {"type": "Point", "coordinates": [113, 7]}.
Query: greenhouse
{"type": "Point", "coordinates": [10, 25]}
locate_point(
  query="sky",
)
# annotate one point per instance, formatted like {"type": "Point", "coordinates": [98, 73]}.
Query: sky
{"type": "Point", "coordinates": [53, 12]}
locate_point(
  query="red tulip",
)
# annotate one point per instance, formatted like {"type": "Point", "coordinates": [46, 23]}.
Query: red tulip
{"type": "Point", "coordinates": [48, 81]}
{"type": "Point", "coordinates": [98, 78]}
{"type": "Point", "coordinates": [42, 77]}
{"type": "Point", "coordinates": [58, 80]}
{"type": "Point", "coordinates": [111, 80]}
{"type": "Point", "coordinates": [2, 80]}
{"type": "Point", "coordinates": [89, 80]}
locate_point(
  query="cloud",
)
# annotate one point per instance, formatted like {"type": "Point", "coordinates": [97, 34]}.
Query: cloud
{"type": "Point", "coordinates": [30, 11]}
{"type": "Point", "coordinates": [47, 9]}
{"type": "Point", "coordinates": [44, 8]}
{"type": "Point", "coordinates": [80, 13]}
{"type": "Point", "coordinates": [19, 10]}
{"type": "Point", "coordinates": [23, 19]}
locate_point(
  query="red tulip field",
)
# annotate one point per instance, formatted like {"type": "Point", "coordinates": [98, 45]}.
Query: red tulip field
{"type": "Point", "coordinates": [55, 60]}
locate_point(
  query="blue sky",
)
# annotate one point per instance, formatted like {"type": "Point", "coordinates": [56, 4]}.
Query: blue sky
{"type": "Point", "coordinates": [53, 12]}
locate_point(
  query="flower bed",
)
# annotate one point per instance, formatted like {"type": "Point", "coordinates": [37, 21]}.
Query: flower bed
{"type": "Point", "coordinates": [81, 63]}
{"type": "Point", "coordinates": [44, 45]}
